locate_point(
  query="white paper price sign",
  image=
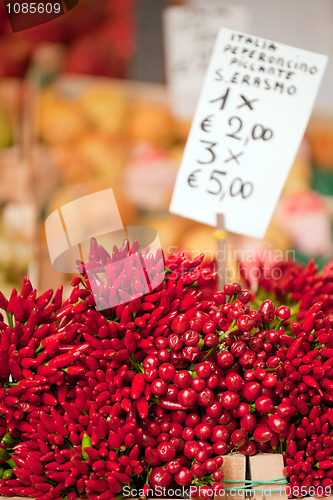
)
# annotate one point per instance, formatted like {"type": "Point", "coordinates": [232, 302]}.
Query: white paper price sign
{"type": "Point", "coordinates": [189, 35]}
{"type": "Point", "coordinates": [249, 122]}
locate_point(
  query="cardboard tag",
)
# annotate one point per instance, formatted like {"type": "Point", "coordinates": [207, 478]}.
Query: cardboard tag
{"type": "Point", "coordinates": [264, 467]}
{"type": "Point", "coordinates": [251, 116]}
{"type": "Point", "coordinates": [189, 36]}
{"type": "Point", "coordinates": [234, 469]}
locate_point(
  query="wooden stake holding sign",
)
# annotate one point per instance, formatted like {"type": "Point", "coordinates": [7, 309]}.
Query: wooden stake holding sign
{"type": "Point", "coordinates": [249, 122]}
{"type": "Point", "coordinates": [220, 235]}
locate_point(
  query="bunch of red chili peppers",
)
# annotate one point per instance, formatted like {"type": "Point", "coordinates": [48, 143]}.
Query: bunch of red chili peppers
{"type": "Point", "coordinates": [301, 284]}
{"type": "Point", "coordinates": [155, 391]}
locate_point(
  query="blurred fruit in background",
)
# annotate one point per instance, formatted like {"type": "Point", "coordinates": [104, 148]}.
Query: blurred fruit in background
{"type": "Point", "coordinates": [103, 131]}
{"type": "Point", "coordinates": [91, 55]}
{"type": "Point", "coordinates": [99, 38]}
{"type": "Point", "coordinates": [105, 107]}
{"type": "Point", "coordinates": [152, 123]}
{"type": "Point", "coordinates": [321, 139]}
{"type": "Point", "coordinates": [16, 222]}
{"type": "Point", "coordinates": [61, 121]}
{"type": "Point", "coordinates": [6, 133]}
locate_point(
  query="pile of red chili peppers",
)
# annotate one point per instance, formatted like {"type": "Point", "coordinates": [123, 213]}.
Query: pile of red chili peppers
{"type": "Point", "coordinates": [155, 391]}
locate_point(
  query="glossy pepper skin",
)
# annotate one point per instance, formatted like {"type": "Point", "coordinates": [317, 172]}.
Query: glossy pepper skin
{"type": "Point", "coordinates": [138, 385]}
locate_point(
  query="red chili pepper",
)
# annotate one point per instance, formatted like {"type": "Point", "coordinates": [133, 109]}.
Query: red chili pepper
{"type": "Point", "coordinates": [80, 308]}
{"type": "Point", "coordinates": [19, 313]}
{"type": "Point", "coordinates": [205, 277]}
{"type": "Point", "coordinates": [3, 302]}
{"type": "Point", "coordinates": [47, 422]}
{"type": "Point", "coordinates": [174, 306]}
{"type": "Point", "coordinates": [302, 407]}
{"type": "Point", "coordinates": [327, 352]}
{"type": "Point", "coordinates": [5, 336]}
{"type": "Point", "coordinates": [315, 413]}
{"type": "Point", "coordinates": [171, 283]}
{"type": "Point", "coordinates": [325, 464]}
{"type": "Point", "coordinates": [166, 320]}
{"type": "Point", "coordinates": [174, 261]}
{"type": "Point", "coordinates": [138, 385]}
{"type": "Point", "coordinates": [330, 416]}
{"type": "Point", "coordinates": [122, 478]}
{"type": "Point", "coordinates": [15, 369]}
{"type": "Point", "coordinates": [10, 303]}
{"type": "Point", "coordinates": [32, 320]}
{"type": "Point", "coordinates": [57, 299]}
{"type": "Point", "coordinates": [310, 448]}
{"type": "Point", "coordinates": [114, 440]}
{"type": "Point", "coordinates": [164, 300]}
{"type": "Point", "coordinates": [170, 405]}
{"type": "Point", "coordinates": [291, 433]}
{"type": "Point", "coordinates": [65, 359]}
{"type": "Point", "coordinates": [179, 289]}
{"type": "Point", "coordinates": [158, 312]}
{"type": "Point", "coordinates": [65, 311]}
{"type": "Point", "coordinates": [43, 300]}
{"type": "Point", "coordinates": [191, 353]}
{"type": "Point", "coordinates": [114, 485]}
{"type": "Point", "coordinates": [26, 287]}
{"type": "Point", "coordinates": [126, 404]}
{"type": "Point", "coordinates": [188, 302]}
{"type": "Point", "coordinates": [310, 381]}
{"type": "Point", "coordinates": [126, 315]}
{"type": "Point", "coordinates": [129, 341]}
{"type": "Point", "coordinates": [75, 371]}
{"type": "Point", "coordinates": [134, 452]}
{"type": "Point", "coordinates": [294, 349]}
{"type": "Point", "coordinates": [328, 397]}
{"type": "Point", "coordinates": [49, 400]}
{"type": "Point", "coordinates": [193, 276]}
{"type": "Point", "coordinates": [180, 323]}
{"type": "Point", "coordinates": [142, 406]}
{"type": "Point", "coordinates": [327, 384]}
{"type": "Point", "coordinates": [93, 341]}
{"type": "Point", "coordinates": [51, 339]}
{"type": "Point", "coordinates": [46, 371]}
{"type": "Point", "coordinates": [152, 297]}
{"type": "Point", "coordinates": [311, 316]}
{"type": "Point", "coordinates": [291, 448]}
{"type": "Point", "coordinates": [34, 463]}
{"type": "Point", "coordinates": [192, 264]}
{"type": "Point", "coordinates": [144, 344]}
{"type": "Point", "coordinates": [44, 330]}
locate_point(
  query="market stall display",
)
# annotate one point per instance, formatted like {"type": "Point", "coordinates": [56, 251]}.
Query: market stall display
{"type": "Point", "coordinates": [153, 393]}
{"type": "Point", "coordinates": [203, 371]}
